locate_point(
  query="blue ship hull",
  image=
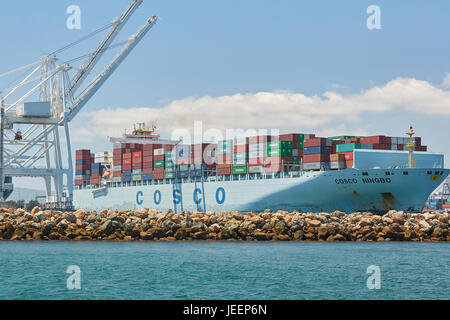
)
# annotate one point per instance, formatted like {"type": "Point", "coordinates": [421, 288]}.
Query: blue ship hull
{"type": "Point", "coordinates": [349, 190]}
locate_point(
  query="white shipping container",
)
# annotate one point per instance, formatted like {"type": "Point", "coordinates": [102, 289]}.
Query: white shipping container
{"type": "Point", "coordinates": [117, 179]}
{"type": "Point", "coordinates": [136, 177]}
{"type": "Point", "coordinates": [257, 146]}
{"type": "Point", "coordinates": [158, 152]}
{"type": "Point", "coordinates": [241, 141]}
{"type": "Point", "coordinates": [295, 152]}
{"type": "Point", "coordinates": [34, 109]}
{"type": "Point", "coordinates": [117, 168]}
{"type": "Point", "coordinates": [257, 154]}
{"type": "Point", "coordinates": [255, 169]}
{"type": "Point", "coordinates": [337, 165]}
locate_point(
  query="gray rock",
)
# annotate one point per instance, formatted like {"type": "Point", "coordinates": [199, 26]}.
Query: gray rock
{"type": "Point", "coordinates": [199, 225]}
{"type": "Point", "coordinates": [70, 217]}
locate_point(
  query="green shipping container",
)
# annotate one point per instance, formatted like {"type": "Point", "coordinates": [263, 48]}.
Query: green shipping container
{"type": "Point", "coordinates": [279, 145]}
{"type": "Point", "coordinates": [169, 175]}
{"type": "Point", "coordinates": [169, 164]}
{"type": "Point", "coordinates": [279, 153]}
{"type": "Point", "coordinates": [300, 144]}
{"type": "Point", "coordinates": [158, 164]}
{"type": "Point", "coordinates": [170, 169]}
{"type": "Point", "coordinates": [239, 169]}
{"type": "Point", "coordinates": [295, 159]}
{"type": "Point", "coordinates": [341, 137]}
{"type": "Point", "coordinates": [347, 147]}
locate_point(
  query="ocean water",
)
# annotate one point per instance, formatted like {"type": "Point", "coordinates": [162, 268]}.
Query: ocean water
{"type": "Point", "coordinates": [224, 270]}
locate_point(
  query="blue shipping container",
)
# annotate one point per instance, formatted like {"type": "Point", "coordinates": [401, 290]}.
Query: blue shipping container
{"type": "Point", "coordinates": [147, 177]}
{"type": "Point", "coordinates": [183, 174]}
{"type": "Point", "coordinates": [82, 172]}
{"type": "Point", "coordinates": [126, 173]}
{"type": "Point", "coordinates": [80, 162]}
{"type": "Point", "coordinates": [126, 178]}
{"type": "Point", "coordinates": [315, 150]}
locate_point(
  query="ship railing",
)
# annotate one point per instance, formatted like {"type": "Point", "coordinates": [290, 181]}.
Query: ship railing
{"type": "Point", "coordinates": [208, 178]}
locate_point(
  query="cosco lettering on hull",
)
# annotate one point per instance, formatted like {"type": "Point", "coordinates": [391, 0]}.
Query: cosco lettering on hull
{"type": "Point", "coordinates": [177, 196]}
{"type": "Point", "coordinates": [364, 180]}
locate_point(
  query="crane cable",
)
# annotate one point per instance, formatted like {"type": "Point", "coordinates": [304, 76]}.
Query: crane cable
{"type": "Point", "coordinates": [59, 50]}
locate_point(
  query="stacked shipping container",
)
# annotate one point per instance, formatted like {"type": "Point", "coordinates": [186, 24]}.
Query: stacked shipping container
{"type": "Point", "coordinates": [257, 154]}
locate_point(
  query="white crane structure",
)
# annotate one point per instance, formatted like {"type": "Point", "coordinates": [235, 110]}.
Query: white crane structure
{"type": "Point", "coordinates": [30, 142]}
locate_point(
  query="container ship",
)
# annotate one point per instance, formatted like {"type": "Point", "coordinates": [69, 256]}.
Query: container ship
{"type": "Point", "coordinates": [295, 171]}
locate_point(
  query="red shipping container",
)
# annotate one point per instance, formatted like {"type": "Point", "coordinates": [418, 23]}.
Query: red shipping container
{"type": "Point", "coordinates": [417, 141]}
{"type": "Point", "coordinates": [158, 170]}
{"type": "Point", "coordinates": [95, 175]}
{"type": "Point", "coordinates": [315, 142]}
{"type": "Point", "coordinates": [223, 171]}
{"type": "Point", "coordinates": [126, 162]}
{"type": "Point", "coordinates": [158, 158]}
{"type": "Point", "coordinates": [375, 140]}
{"type": "Point", "coordinates": [347, 155]}
{"type": "Point", "coordinates": [137, 161]}
{"type": "Point", "coordinates": [83, 153]}
{"type": "Point", "coordinates": [95, 180]}
{"type": "Point", "coordinates": [78, 182]}
{"type": "Point", "coordinates": [421, 148]}
{"type": "Point", "coordinates": [338, 157]}
{"type": "Point", "coordinates": [147, 171]}
{"type": "Point", "coordinates": [137, 154]}
{"type": "Point", "coordinates": [146, 165]}
{"type": "Point", "coordinates": [287, 137]}
{"type": "Point", "coordinates": [136, 166]}
{"type": "Point", "coordinates": [349, 163]}
{"type": "Point", "coordinates": [126, 156]}
{"type": "Point", "coordinates": [400, 147]}
{"type": "Point", "coordinates": [126, 167]}
{"type": "Point", "coordinates": [319, 157]}
{"type": "Point", "coordinates": [224, 158]}
{"type": "Point", "coordinates": [83, 166]}
{"type": "Point", "coordinates": [285, 159]}
{"type": "Point", "coordinates": [256, 161]}
{"type": "Point", "coordinates": [240, 148]}
{"type": "Point", "coordinates": [149, 147]}
{"type": "Point", "coordinates": [147, 153]}
{"type": "Point", "coordinates": [117, 162]}
{"type": "Point", "coordinates": [117, 173]}
{"type": "Point", "coordinates": [158, 176]}
{"type": "Point", "coordinates": [259, 139]}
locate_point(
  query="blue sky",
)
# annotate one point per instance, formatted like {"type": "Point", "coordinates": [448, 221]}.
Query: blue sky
{"type": "Point", "coordinates": [225, 48]}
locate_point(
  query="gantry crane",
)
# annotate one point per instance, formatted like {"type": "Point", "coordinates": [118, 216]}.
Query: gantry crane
{"type": "Point", "coordinates": [30, 142]}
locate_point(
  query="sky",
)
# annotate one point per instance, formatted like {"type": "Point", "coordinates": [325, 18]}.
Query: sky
{"type": "Point", "coordinates": [304, 66]}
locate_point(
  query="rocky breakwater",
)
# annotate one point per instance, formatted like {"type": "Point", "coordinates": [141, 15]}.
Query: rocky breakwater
{"type": "Point", "coordinates": [144, 224]}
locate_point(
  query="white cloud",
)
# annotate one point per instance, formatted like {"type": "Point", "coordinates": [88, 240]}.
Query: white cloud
{"type": "Point", "coordinates": [446, 82]}
{"type": "Point", "coordinates": [280, 109]}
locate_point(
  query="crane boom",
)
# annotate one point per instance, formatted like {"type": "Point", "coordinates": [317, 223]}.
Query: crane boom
{"type": "Point", "coordinates": [110, 68]}
{"type": "Point", "coordinates": [95, 56]}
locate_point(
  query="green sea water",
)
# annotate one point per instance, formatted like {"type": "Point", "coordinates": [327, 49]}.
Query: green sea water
{"type": "Point", "coordinates": [224, 270]}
